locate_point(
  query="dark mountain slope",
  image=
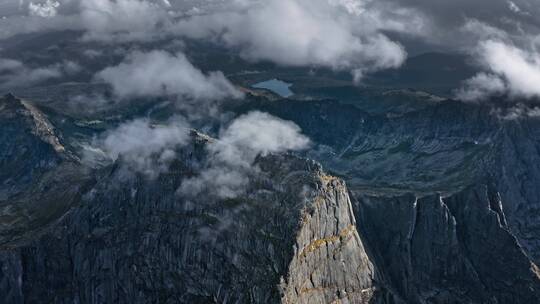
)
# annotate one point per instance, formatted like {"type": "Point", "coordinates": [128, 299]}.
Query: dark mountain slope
{"type": "Point", "coordinates": [39, 178]}
{"type": "Point", "coordinates": [131, 239]}
{"type": "Point", "coordinates": [293, 235]}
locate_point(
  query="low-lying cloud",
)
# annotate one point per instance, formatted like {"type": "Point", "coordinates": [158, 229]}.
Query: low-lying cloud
{"type": "Point", "coordinates": [14, 73]}
{"type": "Point", "coordinates": [122, 20]}
{"type": "Point", "coordinates": [47, 9]}
{"type": "Point", "coordinates": [436, 21]}
{"type": "Point", "coordinates": [143, 148]}
{"type": "Point", "coordinates": [337, 34]}
{"type": "Point", "coordinates": [480, 87]}
{"type": "Point", "coordinates": [517, 112]}
{"type": "Point", "coordinates": [344, 35]}
{"type": "Point", "coordinates": [510, 70]}
{"type": "Point", "coordinates": [159, 73]}
{"type": "Point", "coordinates": [318, 33]}
{"type": "Point", "coordinates": [231, 158]}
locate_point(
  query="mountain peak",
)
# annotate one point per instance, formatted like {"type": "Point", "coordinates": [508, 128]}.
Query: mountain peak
{"type": "Point", "coordinates": [9, 97]}
{"type": "Point", "coordinates": [16, 109]}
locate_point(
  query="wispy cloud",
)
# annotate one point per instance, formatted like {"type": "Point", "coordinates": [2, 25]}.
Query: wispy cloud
{"type": "Point", "coordinates": [317, 33]}
{"type": "Point", "coordinates": [143, 148]}
{"type": "Point", "coordinates": [15, 74]}
{"type": "Point", "coordinates": [231, 158]}
{"type": "Point", "coordinates": [511, 70]}
{"type": "Point", "coordinates": [159, 73]}
{"type": "Point", "coordinates": [48, 9]}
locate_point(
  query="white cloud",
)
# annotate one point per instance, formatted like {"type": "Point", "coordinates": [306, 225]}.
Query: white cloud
{"type": "Point", "coordinates": [516, 9]}
{"type": "Point", "coordinates": [14, 74]}
{"type": "Point", "coordinates": [219, 180]}
{"type": "Point", "coordinates": [8, 65]}
{"type": "Point", "coordinates": [143, 147]}
{"type": "Point", "coordinates": [71, 67]}
{"type": "Point", "coordinates": [150, 19]}
{"type": "Point", "coordinates": [15, 25]}
{"type": "Point", "coordinates": [91, 53]}
{"type": "Point", "coordinates": [519, 111]}
{"type": "Point", "coordinates": [352, 6]}
{"type": "Point", "coordinates": [149, 149]}
{"type": "Point", "coordinates": [122, 19]}
{"type": "Point", "coordinates": [166, 3]}
{"type": "Point", "coordinates": [478, 30]}
{"type": "Point", "coordinates": [301, 33]}
{"type": "Point", "coordinates": [512, 70]}
{"type": "Point", "coordinates": [337, 34]}
{"type": "Point", "coordinates": [481, 87]}
{"type": "Point", "coordinates": [257, 133]}
{"type": "Point", "coordinates": [231, 158]}
{"type": "Point", "coordinates": [519, 68]}
{"type": "Point", "coordinates": [159, 73]}
{"type": "Point", "coordinates": [46, 10]}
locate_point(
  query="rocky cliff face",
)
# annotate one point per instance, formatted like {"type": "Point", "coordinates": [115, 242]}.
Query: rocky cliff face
{"type": "Point", "coordinates": [429, 163]}
{"type": "Point", "coordinates": [442, 148]}
{"type": "Point", "coordinates": [39, 179]}
{"type": "Point", "coordinates": [28, 146]}
{"type": "Point", "coordinates": [295, 235]}
{"type": "Point", "coordinates": [137, 242]}
{"type": "Point", "coordinates": [455, 249]}
{"type": "Point", "coordinates": [129, 239]}
{"type": "Point", "coordinates": [330, 263]}
{"type": "Point", "coordinates": [517, 176]}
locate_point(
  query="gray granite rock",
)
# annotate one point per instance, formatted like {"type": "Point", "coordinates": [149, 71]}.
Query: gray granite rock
{"type": "Point", "coordinates": [455, 249]}
{"type": "Point", "coordinates": [72, 234]}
